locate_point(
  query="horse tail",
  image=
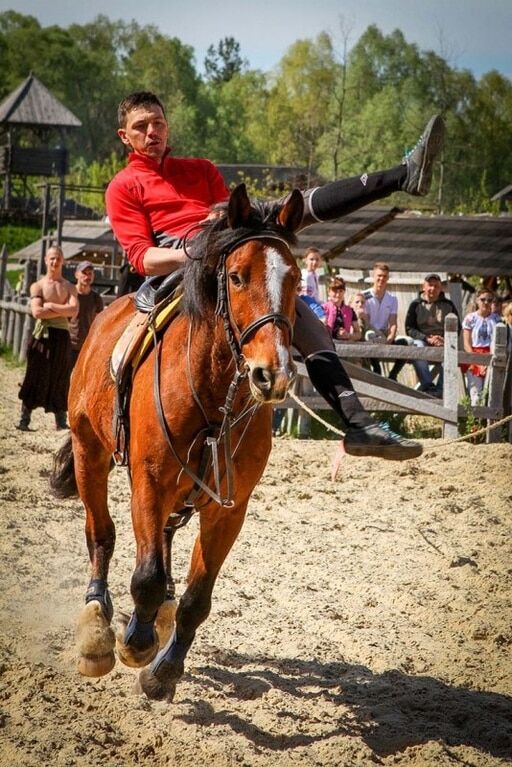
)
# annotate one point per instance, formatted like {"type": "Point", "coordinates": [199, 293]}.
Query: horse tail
{"type": "Point", "coordinates": [62, 478]}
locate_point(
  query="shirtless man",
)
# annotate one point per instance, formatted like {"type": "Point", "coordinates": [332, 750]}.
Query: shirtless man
{"type": "Point", "coordinates": [53, 300]}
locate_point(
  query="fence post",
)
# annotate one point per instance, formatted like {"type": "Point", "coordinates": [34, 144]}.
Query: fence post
{"type": "Point", "coordinates": [11, 317]}
{"type": "Point", "coordinates": [451, 374]}
{"type": "Point", "coordinates": [496, 377]}
{"type": "Point", "coordinates": [3, 270]}
{"type": "Point", "coordinates": [17, 335]}
{"type": "Point", "coordinates": [28, 325]}
{"type": "Point", "coordinates": [304, 419]}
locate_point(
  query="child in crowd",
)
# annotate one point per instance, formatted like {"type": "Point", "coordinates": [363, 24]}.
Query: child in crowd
{"type": "Point", "coordinates": [358, 304]}
{"type": "Point", "coordinates": [340, 318]}
{"type": "Point", "coordinates": [311, 274]}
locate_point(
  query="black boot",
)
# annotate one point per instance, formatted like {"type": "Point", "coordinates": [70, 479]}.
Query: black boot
{"type": "Point", "coordinates": [379, 441]}
{"type": "Point", "coordinates": [363, 437]}
{"type": "Point", "coordinates": [24, 423]}
{"type": "Point", "coordinates": [60, 420]}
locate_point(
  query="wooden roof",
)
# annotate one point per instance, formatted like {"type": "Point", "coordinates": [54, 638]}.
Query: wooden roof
{"type": "Point", "coordinates": [409, 241]}
{"type": "Point", "coordinates": [89, 238]}
{"type": "Point", "coordinates": [32, 104]}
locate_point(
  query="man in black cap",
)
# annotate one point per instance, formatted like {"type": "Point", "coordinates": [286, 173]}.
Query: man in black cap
{"type": "Point", "coordinates": [90, 303]}
{"type": "Point", "coordinates": [424, 323]}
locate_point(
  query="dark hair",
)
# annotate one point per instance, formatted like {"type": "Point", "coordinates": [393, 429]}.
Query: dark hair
{"type": "Point", "coordinates": [134, 101]}
{"type": "Point", "coordinates": [337, 283]}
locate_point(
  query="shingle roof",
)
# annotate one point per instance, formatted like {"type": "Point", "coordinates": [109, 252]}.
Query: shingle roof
{"type": "Point", "coordinates": [409, 241]}
{"type": "Point", "coordinates": [33, 104]}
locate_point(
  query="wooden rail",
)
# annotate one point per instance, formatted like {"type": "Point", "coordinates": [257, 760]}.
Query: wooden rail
{"type": "Point", "coordinates": [376, 392]}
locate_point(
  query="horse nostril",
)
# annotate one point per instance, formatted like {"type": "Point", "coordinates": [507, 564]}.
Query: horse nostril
{"type": "Point", "coordinates": [262, 378]}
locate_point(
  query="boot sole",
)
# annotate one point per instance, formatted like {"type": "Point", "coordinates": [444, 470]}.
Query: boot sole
{"type": "Point", "coordinates": [388, 452]}
{"type": "Point", "coordinates": [434, 145]}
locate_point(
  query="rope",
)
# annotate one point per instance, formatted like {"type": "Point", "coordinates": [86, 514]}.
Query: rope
{"type": "Point", "coordinates": [314, 415]}
{"type": "Point", "coordinates": [473, 434]}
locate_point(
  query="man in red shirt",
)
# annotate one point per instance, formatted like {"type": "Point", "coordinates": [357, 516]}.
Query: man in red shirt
{"type": "Point", "coordinates": [158, 198]}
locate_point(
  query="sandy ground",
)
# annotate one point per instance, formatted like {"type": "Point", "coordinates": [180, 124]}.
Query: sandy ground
{"type": "Point", "coordinates": [360, 622]}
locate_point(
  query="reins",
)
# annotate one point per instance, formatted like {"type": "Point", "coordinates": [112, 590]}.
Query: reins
{"type": "Point", "coordinates": [222, 441]}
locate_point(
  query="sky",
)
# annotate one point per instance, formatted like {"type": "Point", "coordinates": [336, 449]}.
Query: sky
{"type": "Point", "coordinates": [469, 34]}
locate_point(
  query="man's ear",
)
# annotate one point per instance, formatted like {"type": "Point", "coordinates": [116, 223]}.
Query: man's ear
{"type": "Point", "coordinates": [122, 135]}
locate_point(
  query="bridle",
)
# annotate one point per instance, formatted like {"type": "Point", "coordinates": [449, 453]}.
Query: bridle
{"type": "Point", "coordinates": [236, 338]}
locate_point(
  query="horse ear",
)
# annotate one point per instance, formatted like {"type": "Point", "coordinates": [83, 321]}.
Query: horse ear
{"type": "Point", "coordinates": [291, 214]}
{"type": "Point", "coordinates": [239, 207]}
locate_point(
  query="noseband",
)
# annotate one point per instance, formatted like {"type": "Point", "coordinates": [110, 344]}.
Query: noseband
{"type": "Point", "coordinates": [235, 337]}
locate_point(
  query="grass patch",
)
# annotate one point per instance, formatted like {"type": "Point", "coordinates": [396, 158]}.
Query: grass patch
{"type": "Point", "coordinates": [10, 359]}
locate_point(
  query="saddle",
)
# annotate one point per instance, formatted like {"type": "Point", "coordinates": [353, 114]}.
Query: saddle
{"type": "Point", "coordinates": [154, 301]}
{"type": "Point", "coordinates": [157, 302]}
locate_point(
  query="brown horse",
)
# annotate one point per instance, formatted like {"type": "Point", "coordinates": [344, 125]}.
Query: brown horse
{"type": "Point", "coordinates": [200, 431]}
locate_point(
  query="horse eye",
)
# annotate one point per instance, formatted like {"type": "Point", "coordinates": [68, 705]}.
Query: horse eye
{"type": "Point", "coordinates": [235, 279]}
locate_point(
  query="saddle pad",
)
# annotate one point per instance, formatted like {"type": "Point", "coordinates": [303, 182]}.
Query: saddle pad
{"type": "Point", "coordinates": [160, 320]}
{"type": "Point", "coordinates": [137, 337]}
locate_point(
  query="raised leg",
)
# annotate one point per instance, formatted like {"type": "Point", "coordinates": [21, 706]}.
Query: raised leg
{"type": "Point", "coordinates": [219, 530]}
{"type": "Point", "coordinates": [95, 638]}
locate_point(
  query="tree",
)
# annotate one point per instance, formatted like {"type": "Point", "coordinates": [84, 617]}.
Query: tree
{"type": "Point", "coordinates": [299, 102]}
{"type": "Point", "coordinates": [224, 61]}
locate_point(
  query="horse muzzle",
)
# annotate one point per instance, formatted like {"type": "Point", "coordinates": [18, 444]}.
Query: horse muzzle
{"type": "Point", "coordinates": [271, 384]}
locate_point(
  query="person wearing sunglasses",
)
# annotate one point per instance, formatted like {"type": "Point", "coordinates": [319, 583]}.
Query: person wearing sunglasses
{"type": "Point", "coordinates": [478, 331]}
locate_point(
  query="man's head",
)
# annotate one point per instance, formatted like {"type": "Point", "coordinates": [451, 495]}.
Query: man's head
{"type": "Point", "coordinates": [431, 287]}
{"type": "Point", "coordinates": [84, 275]}
{"type": "Point", "coordinates": [312, 259]}
{"type": "Point", "coordinates": [54, 260]}
{"type": "Point", "coordinates": [142, 124]}
{"type": "Point", "coordinates": [380, 276]}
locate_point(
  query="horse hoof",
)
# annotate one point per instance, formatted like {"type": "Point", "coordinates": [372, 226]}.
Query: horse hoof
{"type": "Point", "coordinates": [132, 656]}
{"type": "Point", "coordinates": [165, 620]}
{"type": "Point", "coordinates": [92, 665]}
{"type": "Point", "coordinates": [95, 641]}
{"type": "Point", "coordinates": [153, 688]}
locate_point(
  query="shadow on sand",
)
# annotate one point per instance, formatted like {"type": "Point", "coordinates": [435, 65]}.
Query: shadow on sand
{"type": "Point", "coordinates": [389, 711]}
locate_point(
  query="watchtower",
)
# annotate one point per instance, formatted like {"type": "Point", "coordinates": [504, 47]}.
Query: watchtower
{"type": "Point", "coordinates": [31, 119]}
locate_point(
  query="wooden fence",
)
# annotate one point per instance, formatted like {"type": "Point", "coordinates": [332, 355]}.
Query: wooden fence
{"type": "Point", "coordinates": [376, 392]}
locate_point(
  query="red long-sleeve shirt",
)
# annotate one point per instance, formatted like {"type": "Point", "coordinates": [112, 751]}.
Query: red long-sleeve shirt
{"type": "Point", "coordinates": [148, 202]}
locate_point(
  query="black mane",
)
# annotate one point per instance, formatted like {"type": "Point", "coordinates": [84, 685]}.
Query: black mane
{"type": "Point", "coordinates": [215, 238]}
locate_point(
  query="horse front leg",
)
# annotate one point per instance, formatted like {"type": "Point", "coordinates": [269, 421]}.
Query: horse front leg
{"type": "Point", "coordinates": [95, 637]}
{"type": "Point", "coordinates": [218, 531]}
{"type": "Point", "coordinates": [137, 639]}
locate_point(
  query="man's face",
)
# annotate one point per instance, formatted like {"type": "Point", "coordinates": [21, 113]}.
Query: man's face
{"type": "Point", "coordinates": [431, 290]}
{"type": "Point", "coordinates": [54, 261]}
{"type": "Point", "coordinates": [85, 278]}
{"type": "Point", "coordinates": [380, 279]}
{"type": "Point", "coordinates": [146, 131]}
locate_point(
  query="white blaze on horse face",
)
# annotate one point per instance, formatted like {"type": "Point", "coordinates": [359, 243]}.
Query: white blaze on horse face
{"type": "Point", "coordinates": [276, 271]}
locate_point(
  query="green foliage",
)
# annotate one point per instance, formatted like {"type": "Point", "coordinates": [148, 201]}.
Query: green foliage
{"type": "Point", "coordinates": [224, 61]}
{"type": "Point", "coordinates": [15, 237]}
{"type": "Point", "coordinates": [337, 113]}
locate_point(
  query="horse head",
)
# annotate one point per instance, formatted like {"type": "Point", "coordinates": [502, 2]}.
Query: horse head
{"type": "Point", "coordinates": [261, 277]}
